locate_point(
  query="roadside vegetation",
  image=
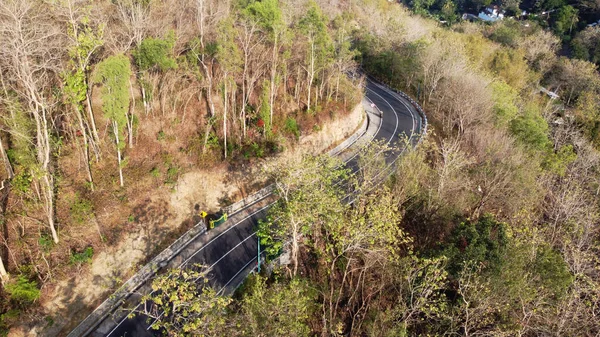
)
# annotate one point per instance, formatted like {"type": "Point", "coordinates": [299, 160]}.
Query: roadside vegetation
{"type": "Point", "coordinates": [489, 227]}
{"type": "Point", "coordinates": [104, 104]}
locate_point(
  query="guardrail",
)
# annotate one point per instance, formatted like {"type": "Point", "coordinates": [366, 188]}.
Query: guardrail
{"type": "Point", "coordinates": [414, 103]}
{"type": "Point", "coordinates": [103, 310]}
{"type": "Point", "coordinates": [161, 260]}
{"type": "Point", "coordinates": [92, 321]}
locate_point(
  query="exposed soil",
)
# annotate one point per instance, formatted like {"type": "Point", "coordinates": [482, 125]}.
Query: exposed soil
{"type": "Point", "coordinates": [160, 214]}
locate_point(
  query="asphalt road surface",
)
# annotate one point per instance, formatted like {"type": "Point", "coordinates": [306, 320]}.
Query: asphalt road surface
{"type": "Point", "coordinates": [233, 252]}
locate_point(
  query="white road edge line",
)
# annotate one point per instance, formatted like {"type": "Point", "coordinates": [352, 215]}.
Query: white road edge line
{"type": "Point", "coordinates": [270, 204]}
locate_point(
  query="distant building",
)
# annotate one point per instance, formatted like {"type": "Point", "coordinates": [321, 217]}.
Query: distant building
{"type": "Point", "coordinates": [491, 14]}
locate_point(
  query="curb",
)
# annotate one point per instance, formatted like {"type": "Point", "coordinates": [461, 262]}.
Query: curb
{"type": "Point", "coordinates": [101, 312]}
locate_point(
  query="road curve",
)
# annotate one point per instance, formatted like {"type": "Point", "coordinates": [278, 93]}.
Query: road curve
{"type": "Point", "coordinates": [231, 252]}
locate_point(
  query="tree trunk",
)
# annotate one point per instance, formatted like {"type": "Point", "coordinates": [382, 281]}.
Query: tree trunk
{"type": "Point", "coordinates": [225, 117]}
{"type": "Point", "coordinates": [3, 273]}
{"type": "Point", "coordinates": [311, 72]}
{"type": "Point", "coordinates": [86, 147]}
{"type": "Point", "coordinates": [96, 143]}
{"type": "Point", "coordinates": [273, 76]}
{"type": "Point", "coordinates": [129, 117]}
{"type": "Point", "coordinates": [143, 97]}
{"type": "Point", "coordinates": [43, 156]}
{"type": "Point", "coordinates": [116, 132]}
{"type": "Point", "coordinates": [9, 171]}
{"type": "Point", "coordinates": [48, 193]}
{"type": "Point", "coordinates": [211, 105]}
{"type": "Point", "coordinates": [5, 189]}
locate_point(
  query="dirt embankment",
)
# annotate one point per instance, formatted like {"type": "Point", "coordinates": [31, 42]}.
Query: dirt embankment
{"type": "Point", "coordinates": [161, 218]}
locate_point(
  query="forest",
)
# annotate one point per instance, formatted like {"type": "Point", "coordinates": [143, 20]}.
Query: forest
{"type": "Point", "coordinates": [490, 227]}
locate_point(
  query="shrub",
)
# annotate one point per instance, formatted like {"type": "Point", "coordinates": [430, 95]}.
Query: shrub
{"type": "Point", "coordinates": [23, 291]}
{"type": "Point", "coordinates": [172, 174]}
{"type": "Point", "coordinates": [155, 53]}
{"type": "Point", "coordinates": [291, 127]}
{"type": "Point", "coordinates": [83, 257]}
{"type": "Point", "coordinates": [81, 209]}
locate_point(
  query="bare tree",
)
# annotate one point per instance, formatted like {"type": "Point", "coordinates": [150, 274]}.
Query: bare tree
{"type": "Point", "coordinates": [134, 15]}
{"type": "Point", "coordinates": [252, 67]}
{"type": "Point", "coordinates": [31, 54]}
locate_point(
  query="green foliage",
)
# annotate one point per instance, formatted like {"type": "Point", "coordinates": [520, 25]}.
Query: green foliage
{"type": "Point", "coordinates": [557, 162]}
{"type": "Point", "coordinates": [552, 271]}
{"type": "Point", "coordinates": [23, 291]}
{"type": "Point", "coordinates": [81, 209]}
{"type": "Point", "coordinates": [21, 182]}
{"type": "Point", "coordinates": [83, 257]}
{"type": "Point", "coordinates": [267, 13]}
{"type": "Point", "coordinates": [228, 54]}
{"type": "Point", "coordinates": [88, 39]}
{"type": "Point", "coordinates": [313, 26]}
{"type": "Point", "coordinates": [421, 6]}
{"type": "Point", "coordinates": [154, 53]}
{"type": "Point", "coordinates": [279, 309]}
{"type": "Point", "coordinates": [265, 110]}
{"type": "Point", "coordinates": [506, 34]}
{"type": "Point", "coordinates": [291, 127]}
{"type": "Point", "coordinates": [75, 87]}
{"type": "Point", "coordinates": [308, 196]}
{"type": "Point", "coordinates": [114, 73]}
{"type": "Point", "coordinates": [475, 243]}
{"type": "Point", "coordinates": [550, 4]}
{"type": "Point", "coordinates": [510, 65]}
{"type": "Point", "coordinates": [46, 242]}
{"type": "Point", "coordinates": [258, 150]}
{"type": "Point", "coordinates": [586, 45]}
{"type": "Point", "coordinates": [172, 174]}
{"type": "Point", "coordinates": [531, 128]}
{"type": "Point", "coordinates": [155, 172]}
{"type": "Point", "coordinates": [190, 306]}
{"type": "Point", "coordinates": [6, 319]}
{"type": "Point", "coordinates": [505, 100]}
{"type": "Point", "coordinates": [448, 12]}
{"type": "Point", "coordinates": [22, 150]}
{"type": "Point", "coordinates": [565, 21]}
{"type": "Point", "coordinates": [588, 115]}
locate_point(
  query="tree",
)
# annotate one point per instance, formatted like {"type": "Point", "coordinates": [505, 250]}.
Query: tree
{"type": "Point", "coordinates": [113, 73]}
{"type": "Point", "coordinates": [183, 303]}
{"type": "Point", "coordinates": [253, 66]}
{"type": "Point", "coordinates": [586, 45]}
{"type": "Point", "coordinates": [566, 18]}
{"type": "Point", "coordinates": [135, 16]}
{"type": "Point", "coordinates": [510, 66]}
{"type": "Point", "coordinates": [282, 308]}
{"type": "Point", "coordinates": [540, 49]}
{"type": "Point", "coordinates": [505, 100]}
{"type": "Point", "coordinates": [574, 77]}
{"type": "Point", "coordinates": [312, 25]}
{"type": "Point", "coordinates": [86, 38]}
{"type": "Point", "coordinates": [307, 197]}
{"type": "Point", "coordinates": [153, 54]}
{"type": "Point", "coordinates": [32, 55]}
{"type": "Point", "coordinates": [531, 128]}
{"type": "Point", "coordinates": [268, 15]}
{"type": "Point", "coordinates": [229, 58]}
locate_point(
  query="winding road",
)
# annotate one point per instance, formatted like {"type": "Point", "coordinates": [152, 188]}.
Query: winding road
{"type": "Point", "coordinates": [231, 250]}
